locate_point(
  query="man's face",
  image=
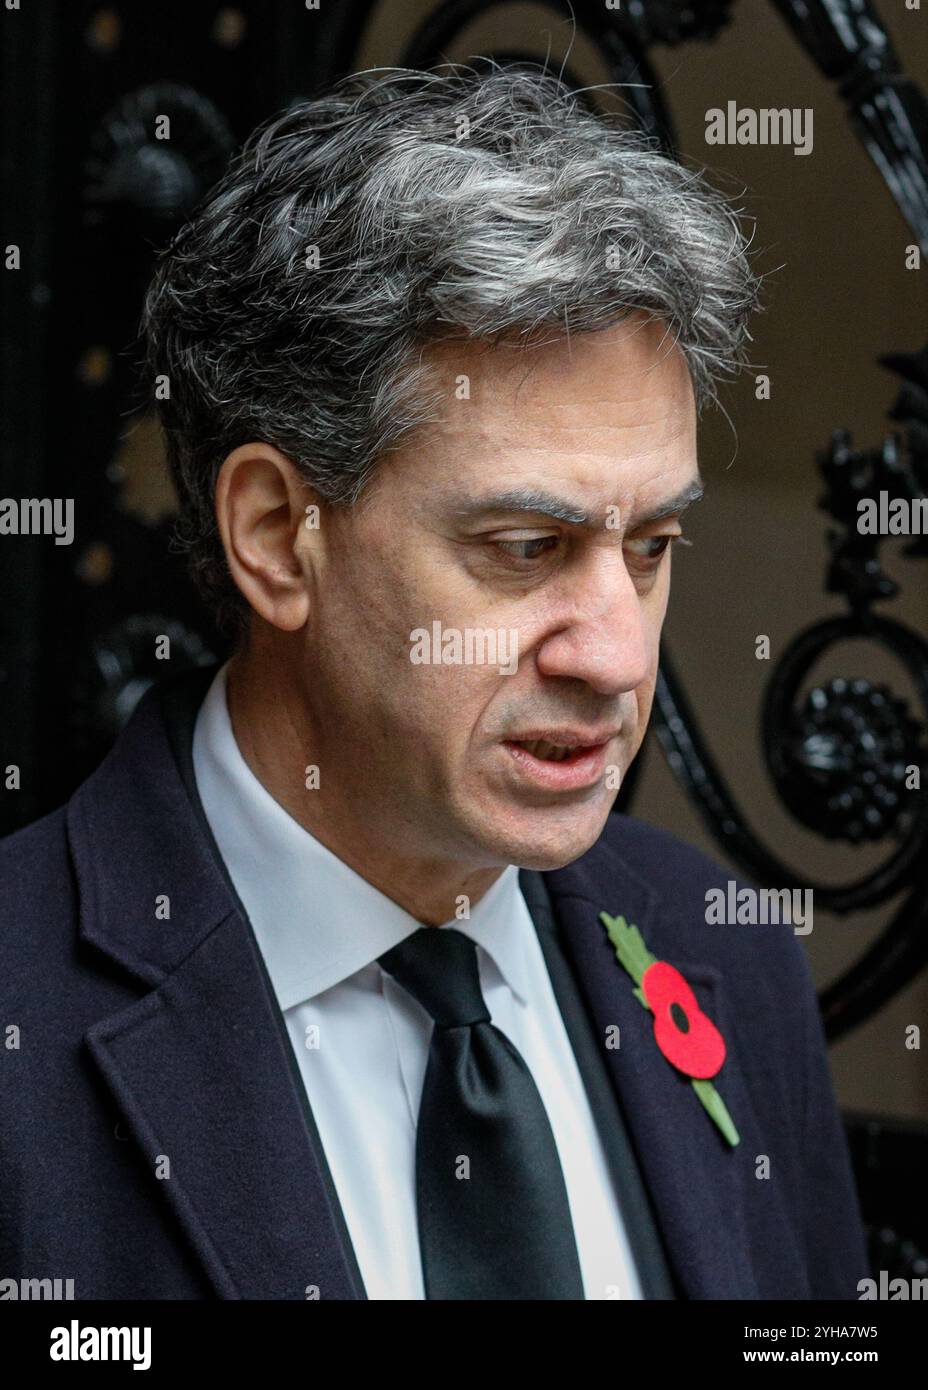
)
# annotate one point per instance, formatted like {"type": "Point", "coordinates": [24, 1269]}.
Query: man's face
{"type": "Point", "coordinates": [531, 511]}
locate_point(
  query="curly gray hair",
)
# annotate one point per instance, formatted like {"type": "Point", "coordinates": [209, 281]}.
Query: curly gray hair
{"type": "Point", "coordinates": [399, 208]}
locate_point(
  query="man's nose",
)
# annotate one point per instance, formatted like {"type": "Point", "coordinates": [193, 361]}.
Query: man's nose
{"type": "Point", "coordinates": [604, 637]}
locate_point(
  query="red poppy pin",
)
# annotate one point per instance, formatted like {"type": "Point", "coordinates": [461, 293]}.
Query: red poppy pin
{"type": "Point", "coordinates": [687, 1037]}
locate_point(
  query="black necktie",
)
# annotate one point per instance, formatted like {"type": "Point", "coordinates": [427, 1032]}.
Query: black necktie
{"type": "Point", "coordinates": [493, 1216]}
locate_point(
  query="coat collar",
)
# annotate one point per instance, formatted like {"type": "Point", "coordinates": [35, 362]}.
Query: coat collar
{"type": "Point", "coordinates": [202, 1066]}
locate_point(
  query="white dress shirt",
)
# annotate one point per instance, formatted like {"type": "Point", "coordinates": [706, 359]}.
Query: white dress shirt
{"type": "Point", "coordinates": [362, 1042]}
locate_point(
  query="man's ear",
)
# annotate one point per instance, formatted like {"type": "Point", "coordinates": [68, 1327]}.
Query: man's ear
{"type": "Point", "coordinates": [260, 508]}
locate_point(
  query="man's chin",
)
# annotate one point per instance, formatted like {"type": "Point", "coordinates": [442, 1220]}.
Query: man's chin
{"type": "Point", "coordinates": [545, 863]}
{"type": "Point", "coordinates": [548, 847]}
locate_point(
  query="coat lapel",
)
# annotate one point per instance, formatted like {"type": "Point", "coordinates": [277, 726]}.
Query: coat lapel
{"type": "Point", "coordinates": [699, 1185]}
{"type": "Point", "coordinates": [201, 1065]}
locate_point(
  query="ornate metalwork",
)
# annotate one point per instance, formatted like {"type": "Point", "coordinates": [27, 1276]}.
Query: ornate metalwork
{"type": "Point", "coordinates": [848, 758]}
{"type": "Point", "coordinates": [843, 760]}
{"type": "Point", "coordinates": [888, 111]}
{"type": "Point", "coordinates": [156, 181]}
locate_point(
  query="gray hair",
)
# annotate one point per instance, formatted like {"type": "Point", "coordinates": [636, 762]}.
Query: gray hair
{"type": "Point", "coordinates": [452, 202]}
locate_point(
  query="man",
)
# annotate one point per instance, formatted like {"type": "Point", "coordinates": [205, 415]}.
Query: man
{"type": "Point", "coordinates": [310, 984]}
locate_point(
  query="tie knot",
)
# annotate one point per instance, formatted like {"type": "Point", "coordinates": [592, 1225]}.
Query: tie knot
{"type": "Point", "coordinates": [438, 967]}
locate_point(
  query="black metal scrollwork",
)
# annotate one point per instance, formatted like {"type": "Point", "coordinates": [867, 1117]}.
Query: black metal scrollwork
{"type": "Point", "coordinates": [847, 758]}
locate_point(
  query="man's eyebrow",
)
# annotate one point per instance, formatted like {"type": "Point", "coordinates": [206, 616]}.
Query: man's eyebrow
{"type": "Point", "coordinates": [694, 492]}
{"type": "Point", "coordinates": [540, 502]}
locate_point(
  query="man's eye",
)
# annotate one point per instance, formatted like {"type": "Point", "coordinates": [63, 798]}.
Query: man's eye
{"type": "Point", "coordinates": [650, 547]}
{"type": "Point", "coordinates": [530, 549]}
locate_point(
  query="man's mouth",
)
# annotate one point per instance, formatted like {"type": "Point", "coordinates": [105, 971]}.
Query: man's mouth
{"type": "Point", "coordinates": [574, 761]}
{"type": "Point", "coordinates": [551, 752]}
{"type": "Point", "coordinates": [557, 744]}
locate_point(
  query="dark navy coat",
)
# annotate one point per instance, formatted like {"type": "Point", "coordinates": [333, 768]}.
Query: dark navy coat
{"type": "Point", "coordinates": [141, 1039]}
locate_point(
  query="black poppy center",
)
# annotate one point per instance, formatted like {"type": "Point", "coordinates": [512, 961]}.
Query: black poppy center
{"type": "Point", "coordinates": [679, 1017]}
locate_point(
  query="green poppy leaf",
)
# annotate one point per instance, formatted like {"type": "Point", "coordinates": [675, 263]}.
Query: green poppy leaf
{"type": "Point", "coordinates": [717, 1110]}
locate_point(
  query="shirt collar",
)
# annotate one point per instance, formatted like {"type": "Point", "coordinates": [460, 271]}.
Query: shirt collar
{"type": "Point", "coordinates": [316, 920]}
